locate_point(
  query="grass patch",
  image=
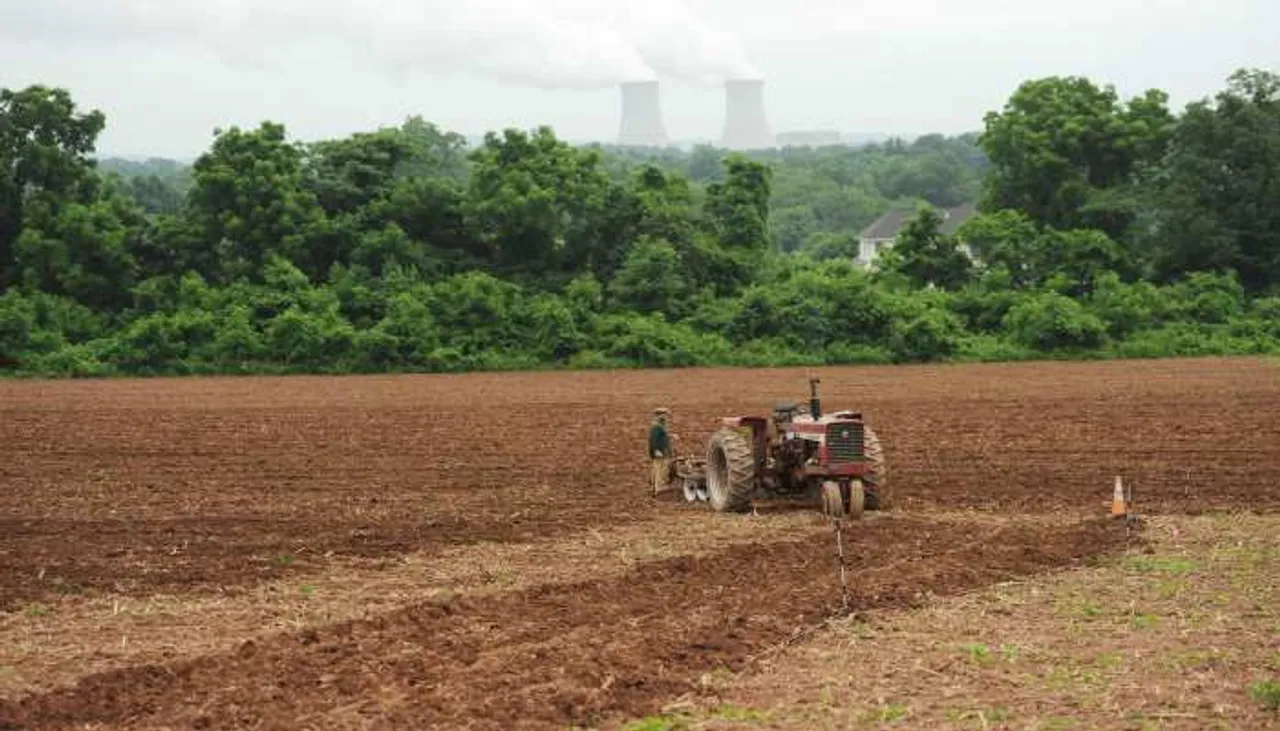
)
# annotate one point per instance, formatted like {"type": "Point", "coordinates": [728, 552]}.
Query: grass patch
{"type": "Point", "coordinates": [1144, 621]}
{"type": "Point", "coordinates": [891, 713]}
{"type": "Point", "coordinates": [1075, 607]}
{"type": "Point", "coordinates": [1110, 660]}
{"type": "Point", "coordinates": [977, 652]}
{"type": "Point", "coordinates": [1193, 660]}
{"type": "Point", "coordinates": [979, 718]}
{"type": "Point", "coordinates": [1160, 564]}
{"type": "Point", "coordinates": [1266, 693]}
{"type": "Point", "coordinates": [658, 723]}
{"type": "Point", "coordinates": [687, 722]}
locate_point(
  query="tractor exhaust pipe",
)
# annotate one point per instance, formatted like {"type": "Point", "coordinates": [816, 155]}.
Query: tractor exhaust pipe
{"type": "Point", "coordinates": [815, 404]}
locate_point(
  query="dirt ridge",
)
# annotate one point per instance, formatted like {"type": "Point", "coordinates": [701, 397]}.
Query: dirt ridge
{"type": "Point", "coordinates": [556, 655]}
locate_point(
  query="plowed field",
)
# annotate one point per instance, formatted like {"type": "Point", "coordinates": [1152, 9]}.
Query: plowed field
{"type": "Point", "coordinates": [480, 552]}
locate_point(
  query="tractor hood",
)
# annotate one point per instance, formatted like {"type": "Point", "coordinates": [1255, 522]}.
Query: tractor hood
{"type": "Point", "coordinates": [832, 418]}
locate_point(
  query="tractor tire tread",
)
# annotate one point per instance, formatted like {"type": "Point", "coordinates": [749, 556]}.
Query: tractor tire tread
{"type": "Point", "coordinates": [740, 477]}
{"type": "Point", "coordinates": [878, 496]}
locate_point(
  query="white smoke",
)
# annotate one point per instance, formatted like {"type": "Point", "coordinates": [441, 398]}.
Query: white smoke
{"type": "Point", "coordinates": [508, 40]}
{"type": "Point", "coordinates": [672, 38]}
{"type": "Point", "coordinates": [544, 43]}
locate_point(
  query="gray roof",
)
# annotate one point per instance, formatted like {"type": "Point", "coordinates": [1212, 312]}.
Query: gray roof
{"type": "Point", "coordinates": [888, 225]}
{"type": "Point", "coordinates": [956, 217]}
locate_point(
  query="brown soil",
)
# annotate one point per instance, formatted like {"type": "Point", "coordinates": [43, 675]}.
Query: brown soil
{"type": "Point", "coordinates": [90, 634]}
{"type": "Point", "coordinates": [548, 656]}
{"type": "Point", "coordinates": [175, 485]}
{"type": "Point", "coordinates": [211, 487]}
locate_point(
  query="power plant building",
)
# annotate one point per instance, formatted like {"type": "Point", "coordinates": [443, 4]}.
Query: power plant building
{"type": "Point", "coordinates": [746, 127]}
{"type": "Point", "coordinates": [810, 138]}
{"type": "Point", "coordinates": [642, 124]}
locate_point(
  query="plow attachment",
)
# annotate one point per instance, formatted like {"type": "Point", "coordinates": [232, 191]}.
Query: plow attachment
{"type": "Point", "coordinates": [689, 477]}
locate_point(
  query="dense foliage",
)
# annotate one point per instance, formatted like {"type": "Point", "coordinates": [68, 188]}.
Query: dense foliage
{"type": "Point", "coordinates": [1107, 228]}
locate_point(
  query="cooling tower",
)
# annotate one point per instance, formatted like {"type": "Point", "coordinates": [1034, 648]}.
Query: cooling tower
{"type": "Point", "coordinates": [745, 125]}
{"type": "Point", "coordinates": [642, 116]}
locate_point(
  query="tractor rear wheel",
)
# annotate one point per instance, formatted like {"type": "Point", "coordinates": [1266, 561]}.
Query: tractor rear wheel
{"type": "Point", "coordinates": [730, 471]}
{"type": "Point", "coordinates": [877, 495]}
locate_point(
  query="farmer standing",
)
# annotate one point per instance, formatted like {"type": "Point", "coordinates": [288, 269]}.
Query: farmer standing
{"type": "Point", "coordinates": [659, 450]}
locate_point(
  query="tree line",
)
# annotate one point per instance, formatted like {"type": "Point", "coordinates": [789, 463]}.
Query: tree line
{"type": "Point", "coordinates": [1106, 228]}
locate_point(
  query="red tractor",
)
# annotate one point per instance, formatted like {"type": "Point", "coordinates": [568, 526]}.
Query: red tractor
{"type": "Point", "coordinates": [790, 455]}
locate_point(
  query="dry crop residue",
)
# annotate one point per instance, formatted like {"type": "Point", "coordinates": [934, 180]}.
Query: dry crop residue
{"type": "Point", "coordinates": [551, 655]}
{"type": "Point", "coordinates": [209, 487]}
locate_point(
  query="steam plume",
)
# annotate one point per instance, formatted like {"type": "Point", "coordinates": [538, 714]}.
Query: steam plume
{"type": "Point", "coordinates": [673, 39]}
{"type": "Point", "coordinates": [544, 43]}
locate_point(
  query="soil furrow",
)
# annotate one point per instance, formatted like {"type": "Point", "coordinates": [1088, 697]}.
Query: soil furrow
{"type": "Point", "coordinates": [550, 656]}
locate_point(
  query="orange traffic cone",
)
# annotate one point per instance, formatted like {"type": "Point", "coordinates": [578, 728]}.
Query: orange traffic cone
{"type": "Point", "coordinates": [1118, 507]}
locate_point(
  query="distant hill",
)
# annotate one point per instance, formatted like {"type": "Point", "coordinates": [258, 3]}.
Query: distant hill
{"type": "Point", "coordinates": [157, 184]}
{"type": "Point", "coordinates": [130, 167]}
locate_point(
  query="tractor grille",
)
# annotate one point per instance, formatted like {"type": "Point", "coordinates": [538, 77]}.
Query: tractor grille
{"type": "Point", "coordinates": [844, 443]}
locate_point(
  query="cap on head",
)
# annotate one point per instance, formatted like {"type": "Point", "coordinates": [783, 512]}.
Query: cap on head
{"type": "Point", "coordinates": [661, 411]}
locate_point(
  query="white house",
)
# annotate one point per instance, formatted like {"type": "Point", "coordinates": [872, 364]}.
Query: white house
{"type": "Point", "coordinates": [884, 230]}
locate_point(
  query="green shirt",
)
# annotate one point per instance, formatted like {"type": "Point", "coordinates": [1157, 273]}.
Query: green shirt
{"type": "Point", "coordinates": [658, 441]}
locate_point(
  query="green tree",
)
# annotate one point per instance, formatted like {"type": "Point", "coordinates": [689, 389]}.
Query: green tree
{"type": "Point", "coordinates": [410, 329]}
{"type": "Point", "coordinates": [1050, 321]}
{"type": "Point", "coordinates": [939, 177]}
{"type": "Point", "coordinates": [237, 342]}
{"type": "Point", "coordinates": [348, 174]}
{"type": "Point", "coordinates": [928, 257]}
{"type": "Point", "coordinates": [792, 226]}
{"type": "Point", "coordinates": [1006, 240]}
{"type": "Point", "coordinates": [151, 192]}
{"type": "Point", "coordinates": [1011, 242]}
{"type": "Point", "coordinates": [933, 334]}
{"type": "Point", "coordinates": [535, 201]}
{"type": "Point", "coordinates": [1079, 257]}
{"type": "Point", "coordinates": [652, 280]}
{"type": "Point", "coordinates": [434, 152]}
{"type": "Point", "coordinates": [84, 251]}
{"type": "Point", "coordinates": [248, 202]}
{"type": "Point", "coordinates": [1215, 195]}
{"type": "Point", "coordinates": [738, 208]}
{"type": "Point", "coordinates": [1062, 142]}
{"type": "Point", "coordinates": [665, 206]}
{"type": "Point", "coordinates": [17, 320]}
{"type": "Point", "coordinates": [432, 214]}
{"type": "Point", "coordinates": [45, 143]}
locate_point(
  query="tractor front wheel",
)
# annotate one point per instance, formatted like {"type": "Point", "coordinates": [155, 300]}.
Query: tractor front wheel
{"type": "Point", "coordinates": [857, 499]}
{"type": "Point", "coordinates": [832, 500]}
{"type": "Point", "coordinates": [836, 505]}
{"type": "Point", "coordinates": [730, 471]}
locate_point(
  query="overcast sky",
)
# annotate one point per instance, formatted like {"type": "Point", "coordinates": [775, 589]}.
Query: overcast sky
{"type": "Point", "coordinates": [167, 72]}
